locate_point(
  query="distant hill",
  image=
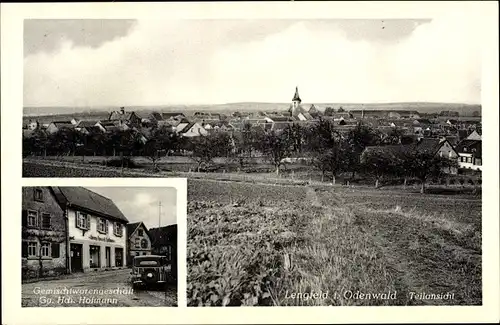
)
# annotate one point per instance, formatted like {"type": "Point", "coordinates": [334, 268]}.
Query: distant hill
{"type": "Point", "coordinates": [421, 107]}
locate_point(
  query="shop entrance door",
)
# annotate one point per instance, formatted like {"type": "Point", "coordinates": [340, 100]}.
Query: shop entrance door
{"type": "Point", "coordinates": [76, 257]}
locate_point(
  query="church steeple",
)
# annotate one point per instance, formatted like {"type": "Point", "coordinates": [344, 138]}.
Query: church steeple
{"type": "Point", "coordinates": [296, 98]}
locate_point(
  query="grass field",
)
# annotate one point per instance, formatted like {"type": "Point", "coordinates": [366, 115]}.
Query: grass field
{"type": "Point", "coordinates": [258, 244]}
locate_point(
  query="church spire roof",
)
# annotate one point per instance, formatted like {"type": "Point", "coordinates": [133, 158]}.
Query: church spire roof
{"type": "Point", "coordinates": [296, 96]}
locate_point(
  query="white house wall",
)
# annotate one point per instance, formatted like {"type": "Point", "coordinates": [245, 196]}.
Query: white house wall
{"type": "Point", "coordinates": [86, 238]}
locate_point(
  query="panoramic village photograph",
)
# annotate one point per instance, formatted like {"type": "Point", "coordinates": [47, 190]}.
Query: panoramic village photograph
{"type": "Point", "coordinates": [99, 247]}
{"type": "Point", "coordinates": [329, 162]}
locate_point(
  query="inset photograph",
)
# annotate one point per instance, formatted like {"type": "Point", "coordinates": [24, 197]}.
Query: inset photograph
{"type": "Point", "coordinates": [99, 246]}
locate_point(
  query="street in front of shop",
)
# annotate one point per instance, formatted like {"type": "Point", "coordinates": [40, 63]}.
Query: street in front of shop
{"type": "Point", "coordinates": [95, 289]}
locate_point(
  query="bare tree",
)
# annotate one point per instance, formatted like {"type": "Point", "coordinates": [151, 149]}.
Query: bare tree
{"type": "Point", "coordinates": [205, 148]}
{"type": "Point", "coordinates": [328, 149]}
{"type": "Point", "coordinates": [276, 146]}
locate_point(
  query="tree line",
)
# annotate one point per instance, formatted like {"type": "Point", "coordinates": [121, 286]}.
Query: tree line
{"type": "Point", "coordinates": [323, 146]}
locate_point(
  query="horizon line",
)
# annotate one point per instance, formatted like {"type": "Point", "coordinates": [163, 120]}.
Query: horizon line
{"type": "Point", "coordinates": [256, 102]}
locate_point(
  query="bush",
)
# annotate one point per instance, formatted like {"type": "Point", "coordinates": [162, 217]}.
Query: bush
{"type": "Point", "coordinates": [126, 162]}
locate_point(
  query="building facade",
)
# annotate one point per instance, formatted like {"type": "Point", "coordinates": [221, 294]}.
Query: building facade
{"type": "Point", "coordinates": [139, 241]}
{"type": "Point", "coordinates": [470, 154]}
{"type": "Point", "coordinates": [97, 233]}
{"type": "Point", "coordinates": [164, 242]}
{"type": "Point", "coordinates": [43, 234]}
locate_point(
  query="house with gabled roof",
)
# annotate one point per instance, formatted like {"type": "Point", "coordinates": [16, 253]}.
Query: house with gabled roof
{"type": "Point", "coordinates": [439, 147]}
{"type": "Point", "coordinates": [139, 241]}
{"type": "Point", "coordinates": [165, 119]}
{"type": "Point", "coordinates": [173, 115]}
{"type": "Point", "coordinates": [97, 233]}
{"type": "Point", "coordinates": [125, 118]}
{"type": "Point", "coordinates": [470, 154]}
{"type": "Point", "coordinates": [474, 135]}
{"type": "Point", "coordinates": [87, 126]}
{"type": "Point", "coordinates": [314, 112]}
{"type": "Point", "coordinates": [56, 126]}
{"type": "Point", "coordinates": [44, 234]}
{"type": "Point", "coordinates": [191, 129]}
{"type": "Point", "coordinates": [275, 119]}
{"type": "Point", "coordinates": [111, 126]}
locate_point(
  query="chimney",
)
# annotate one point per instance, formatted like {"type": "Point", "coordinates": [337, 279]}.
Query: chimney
{"type": "Point", "coordinates": [122, 110]}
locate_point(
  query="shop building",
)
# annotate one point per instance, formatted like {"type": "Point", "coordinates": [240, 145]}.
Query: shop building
{"type": "Point", "coordinates": [97, 232]}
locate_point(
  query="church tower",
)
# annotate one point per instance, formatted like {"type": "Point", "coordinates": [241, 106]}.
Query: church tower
{"type": "Point", "coordinates": [296, 99]}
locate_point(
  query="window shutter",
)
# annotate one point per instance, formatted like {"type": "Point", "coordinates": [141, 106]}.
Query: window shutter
{"type": "Point", "coordinates": [55, 250]}
{"type": "Point", "coordinates": [25, 249]}
{"type": "Point", "coordinates": [106, 223]}
{"type": "Point", "coordinates": [87, 222]}
{"type": "Point", "coordinates": [77, 216]}
{"type": "Point", "coordinates": [25, 218]}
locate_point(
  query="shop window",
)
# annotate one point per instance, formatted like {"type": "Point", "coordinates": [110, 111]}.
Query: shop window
{"type": "Point", "coordinates": [95, 256]}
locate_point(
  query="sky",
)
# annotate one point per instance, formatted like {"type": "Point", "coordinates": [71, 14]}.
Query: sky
{"type": "Point", "coordinates": [89, 63]}
{"type": "Point", "coordinates": [141, 203]}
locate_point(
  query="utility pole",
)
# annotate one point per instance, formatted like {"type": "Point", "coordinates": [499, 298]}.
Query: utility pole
{"type": "Point", "coordinates": [159, 214]}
